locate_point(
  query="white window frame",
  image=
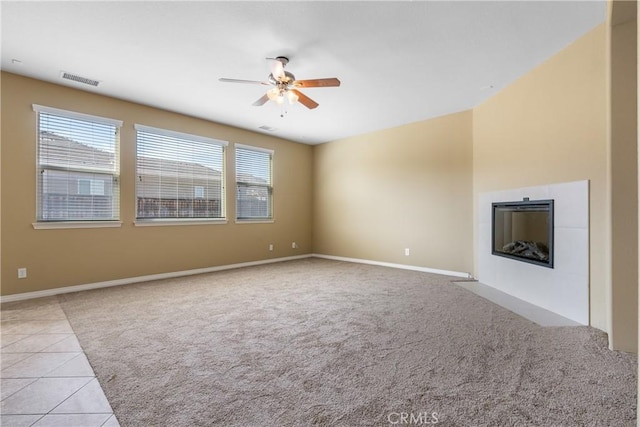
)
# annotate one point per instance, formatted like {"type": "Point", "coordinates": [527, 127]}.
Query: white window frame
{"type": "Point", "coordinates": [171, 221]}
{"type": "Point", "coordinates": [256, 220]}
{"type": "Point", "coordinates": [70, 223]}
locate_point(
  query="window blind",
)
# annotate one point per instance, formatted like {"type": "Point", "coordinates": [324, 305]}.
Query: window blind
{"type": "Point", "coordinates": [78, 166]}
{"type": "Point", "coordinates": [254, 189]}
{"type": "Point", "coordinates": [178, 175]}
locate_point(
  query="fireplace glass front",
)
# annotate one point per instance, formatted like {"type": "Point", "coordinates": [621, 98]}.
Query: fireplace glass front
{"type": "Point", "coordinates": [523, 231]}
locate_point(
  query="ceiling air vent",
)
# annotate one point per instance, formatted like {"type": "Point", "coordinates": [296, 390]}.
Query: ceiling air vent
{"type": "Point", "coordinates": [79, 79]}
{"type": "Point", "coordinates": [267, 128]}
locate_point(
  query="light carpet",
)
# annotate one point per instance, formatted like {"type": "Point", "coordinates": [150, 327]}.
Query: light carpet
{"type": "Point", "coordinates": [327, 343]}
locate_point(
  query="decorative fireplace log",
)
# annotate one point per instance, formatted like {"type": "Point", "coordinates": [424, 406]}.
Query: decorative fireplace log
{"type": "Point", "coordinates": [527, 249]}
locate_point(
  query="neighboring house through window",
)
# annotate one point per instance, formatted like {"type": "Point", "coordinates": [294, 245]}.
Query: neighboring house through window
{"type": "Point", "coordinates": [254, 188]}
{"type": "Point", "coordinates": [78, 166]}
{"type": "Point", "coordinates": [91, 187]}
{"type": "Point", "coordinates": [179, 176]}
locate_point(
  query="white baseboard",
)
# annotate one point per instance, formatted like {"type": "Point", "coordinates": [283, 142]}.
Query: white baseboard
{"type": "Point", "coordinates": [130, 280]}
{"type": "Point", "coordinates": [138, 279]}
{"type": "Point", "coordinates": [392, 265]}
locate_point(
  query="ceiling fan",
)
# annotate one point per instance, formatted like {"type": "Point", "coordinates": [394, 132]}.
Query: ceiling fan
{"type": "Point", "coordinates": [285, 85]}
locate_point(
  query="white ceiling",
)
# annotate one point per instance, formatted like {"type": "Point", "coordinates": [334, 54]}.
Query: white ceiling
{"type": "Point", "coordinates": [399, 62]}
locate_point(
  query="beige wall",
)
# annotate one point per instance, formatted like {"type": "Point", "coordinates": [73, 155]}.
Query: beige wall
{"type": "Point", "coordinates": [638, 166]}
{"type": "Point", "coordinates": [624, 178]}
{"type": "Point", "coordinates": [405, 187]}
{"type": "Point", "coordinates": [550, 127]}
{"type": "Point", "coordinates": [56, 258]}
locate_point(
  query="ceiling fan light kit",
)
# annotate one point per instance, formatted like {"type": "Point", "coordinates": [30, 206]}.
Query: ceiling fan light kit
{"type": "Point", "coordinates": [284, 85]}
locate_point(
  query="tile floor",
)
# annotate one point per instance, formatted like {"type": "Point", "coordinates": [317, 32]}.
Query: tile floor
{"type": "Point", "coordinates": [522, 308]}
{"type": "Point", "coordinates": [45, 377]}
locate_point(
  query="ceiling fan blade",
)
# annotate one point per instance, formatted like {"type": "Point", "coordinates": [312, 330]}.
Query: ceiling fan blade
{"type": "Point", "coordinates": [332, 82]}
{"type": "Point", "coordinates": [305, 100]}
{"type": "Point", "coordinates": [255, 82]}
{"type": "Point", "coordinates": [261, 101]}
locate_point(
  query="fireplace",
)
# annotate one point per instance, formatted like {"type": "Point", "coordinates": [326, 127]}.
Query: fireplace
{"type": "Point", "coordinates": [523, 231]}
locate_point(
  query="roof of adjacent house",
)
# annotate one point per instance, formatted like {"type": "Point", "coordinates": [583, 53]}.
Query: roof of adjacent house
{"type": "Point", "coordinates": [61, 151]}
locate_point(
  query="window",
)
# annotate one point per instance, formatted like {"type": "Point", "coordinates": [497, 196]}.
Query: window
{"type": "Point", "coordinates": [254, 188]}
{"type": "Point", "coordinates": [198, 192]}
{"type": "Point", "coordinates": [91, 187]}
{"type": "Point", "coordinates": [78, 166]}
{"type": "Point", "coordinates": [179, 176]}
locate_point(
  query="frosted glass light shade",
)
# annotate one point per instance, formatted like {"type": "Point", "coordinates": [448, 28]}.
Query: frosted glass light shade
{"type": "Point", "coordinates": [292, 97]}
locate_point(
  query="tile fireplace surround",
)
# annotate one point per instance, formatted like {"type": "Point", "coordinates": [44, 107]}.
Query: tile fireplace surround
{"type": "Point", "coordinates": [563, 289]}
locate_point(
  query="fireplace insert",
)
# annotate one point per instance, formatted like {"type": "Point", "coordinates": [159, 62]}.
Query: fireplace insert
{"type": "Point", "coordinates": [523, 231]}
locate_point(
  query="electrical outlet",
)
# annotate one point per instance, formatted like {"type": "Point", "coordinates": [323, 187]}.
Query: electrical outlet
{"type": "Point", "coordinates": [270, 247]}
{"type": "Point", "coordinates": [407, 252]}
{"type": "Point", "coordinates": [22, 273]}
{"type": "Point", "coordinates": [294, 245]}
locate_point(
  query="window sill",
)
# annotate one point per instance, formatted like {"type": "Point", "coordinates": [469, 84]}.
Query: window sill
{"type": "Point", "coordinates": [255, 221]}
{"type": "Point", "coordinates": [174, 222]}
{"type": "Point", "coordinates": [53, 225]}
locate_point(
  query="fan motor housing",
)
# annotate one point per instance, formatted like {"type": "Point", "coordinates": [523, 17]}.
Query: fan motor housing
{"type": "Point", "coordinates": [288, 78]}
